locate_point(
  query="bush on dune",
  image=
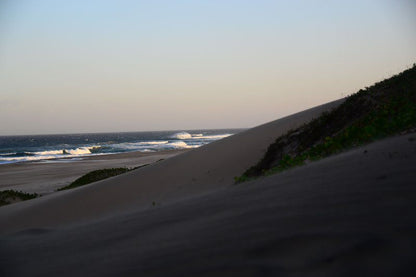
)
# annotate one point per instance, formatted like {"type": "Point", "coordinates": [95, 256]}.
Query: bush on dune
{"type": "Point", "coordinates": [94, 176]}
{"type": "Point", "coordinates": [11, 196]}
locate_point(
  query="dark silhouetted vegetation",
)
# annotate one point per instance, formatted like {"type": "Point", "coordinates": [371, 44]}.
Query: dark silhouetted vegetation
{"type": "Point", "coordinates": [384, 109]}
{"type": "Point", "coordinates": [97, 175]}
{"type": "Point", "coordinates": [11, 196]}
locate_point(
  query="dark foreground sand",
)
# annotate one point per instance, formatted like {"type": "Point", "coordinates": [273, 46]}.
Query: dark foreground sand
{"type": "Point", "coordinates": [353, 214]}
{"type": "Point", "coordinates": [350, 215]}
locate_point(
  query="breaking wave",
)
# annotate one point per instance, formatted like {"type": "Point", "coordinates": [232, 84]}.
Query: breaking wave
{"type": "Point", "coordinates": [182, 145]}
{"type": "Point", "coordinates": [186, 136]}
{"type": "Point", "coordinates": [181, 135]}
{"type": "Point", "coordinates": [47, 154]}
{"type": "Point", "coordinates": [55, 148]}
{"type": "Point", "coordinates": [153, 142]}
{"type": "Point", "coordinates": [213, 137]}
{"type": "Point", "coordinates": [76, 151]}
{"type": "Point", "coordinates": [153, 146]}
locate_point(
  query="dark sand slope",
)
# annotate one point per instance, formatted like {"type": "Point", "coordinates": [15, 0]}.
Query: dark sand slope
{"type": "Point", "coordinates": [353, 214]}
{"type": "Point", "coordinates": [193, 173]}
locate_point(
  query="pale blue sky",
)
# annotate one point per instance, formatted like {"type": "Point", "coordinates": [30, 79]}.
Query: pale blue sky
{"type": "Point", "coordinates": [102, 66]}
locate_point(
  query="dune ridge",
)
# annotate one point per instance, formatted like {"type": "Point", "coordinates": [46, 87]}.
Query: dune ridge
{"type": "Point", "coordinates": [193, 173]}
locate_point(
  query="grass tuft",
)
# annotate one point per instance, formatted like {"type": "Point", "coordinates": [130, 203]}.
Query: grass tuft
{"type": "Point", "coordinates": [11, 196]}
{"type": "Point", "coordinates": [94, 176]}
{"type": "Point", "coordinates": [98, 175]}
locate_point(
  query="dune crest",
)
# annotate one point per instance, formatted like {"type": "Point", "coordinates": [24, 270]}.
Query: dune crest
{"type": "Point", "coordinates": [193, 173]}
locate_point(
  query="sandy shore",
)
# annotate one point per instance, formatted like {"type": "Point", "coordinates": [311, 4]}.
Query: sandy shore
{"type": "Point", "coordinates": [350, 214]}
{"type": "Point", "coordinates": [46, 177]}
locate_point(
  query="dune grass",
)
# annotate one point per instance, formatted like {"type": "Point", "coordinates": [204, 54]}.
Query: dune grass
{"type": "Point", "coordinates": [97, 175]}
{"type": "Point", "coordinates": [384, 109]}
{"type": "Point", "coordinates": [11, 196]}
{"type": "Point", "coordinates": [101, 174]}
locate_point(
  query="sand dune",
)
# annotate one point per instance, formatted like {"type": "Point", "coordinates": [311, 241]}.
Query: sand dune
{"type": "Point", "coordinates": [192, 173]}
{"type": "Point", "coordinates": [350, 214]}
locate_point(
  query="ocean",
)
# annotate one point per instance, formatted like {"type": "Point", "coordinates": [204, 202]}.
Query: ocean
{"type": "Point", "coordinates": [72, 147]}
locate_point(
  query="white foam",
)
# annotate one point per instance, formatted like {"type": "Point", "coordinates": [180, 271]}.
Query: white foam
{"type": "Point", "coordinates": [152, 142]}
{"type": "Point", "coordinates": [185, 135]}
{"type": "Point", "coordinates": [181, 145]}
{"type": "Point", "coordinates": [27, 158]}
{"type": "Point", "coordinates": [213, 137]}
{"type": "Point", "coordinates": [79, 151]}
{"type": "Point", "coordinates": [50, 152]}
{"type": "Point", "coordinates": [130, 146]}
{"type": "Point", "coordinates": [148, 150]}
{"type": "Point", "coordinates": [182, 135]}
{"type": "Point", "coordinates": [180, 140]}
{"type": "Point", "coordinates": [7, 154]}
{"type": "Point", "coordinates": [74, 151]}
{"type": "Point", "coordinates": [153, 146]}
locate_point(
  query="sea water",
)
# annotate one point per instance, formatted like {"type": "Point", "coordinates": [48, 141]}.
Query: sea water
{"type": "Point", "coordinates": [67, 147]}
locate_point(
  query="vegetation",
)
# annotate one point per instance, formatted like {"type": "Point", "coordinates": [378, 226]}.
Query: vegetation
{"type": "Point", "coordinates": [11, 196]}
{"type": "Point", "coordinates": [387, 108]}
{"type": "Point", "coordinates": [97, 175]}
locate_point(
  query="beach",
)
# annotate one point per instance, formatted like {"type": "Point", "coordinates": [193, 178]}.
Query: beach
{"type": "Point", "coordinates": [193, 173]}
{"type": "Point", "coordinates": [207, 138]}
{"type": "Point", "coordinates": [352, 213]}
{"type": "Point", "coordinates": [45, 177]}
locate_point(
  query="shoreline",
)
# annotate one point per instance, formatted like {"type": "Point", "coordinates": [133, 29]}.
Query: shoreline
{"type": "Point", "coordinates": [203, 170]}
{"type": "Point", "coordinates": [45, 177]}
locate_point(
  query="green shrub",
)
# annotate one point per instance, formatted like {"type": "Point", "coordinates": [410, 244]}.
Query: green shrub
{"type": "Point", "coordinates": [95, 176]}
{"type": "Point", "coordinates": [10, 196]}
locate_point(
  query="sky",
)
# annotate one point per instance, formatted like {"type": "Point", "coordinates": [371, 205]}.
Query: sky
{"type": "Point", "coordinates": [110, 66]}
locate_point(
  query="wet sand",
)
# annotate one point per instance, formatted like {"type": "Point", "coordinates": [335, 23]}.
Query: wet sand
{"type": "Point", "coordinates": [47, 176]}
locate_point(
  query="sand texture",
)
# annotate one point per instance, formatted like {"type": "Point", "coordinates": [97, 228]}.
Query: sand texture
{"type": "Point", "coordinates": [202, 170]}
{"type": "Point", "coordinates": [352, 214]}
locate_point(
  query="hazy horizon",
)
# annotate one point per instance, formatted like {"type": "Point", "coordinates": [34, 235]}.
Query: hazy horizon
{"type": "Point", "coordinates": [127, 132]}
{"type": "Point", "coordinates": [126, 66]}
